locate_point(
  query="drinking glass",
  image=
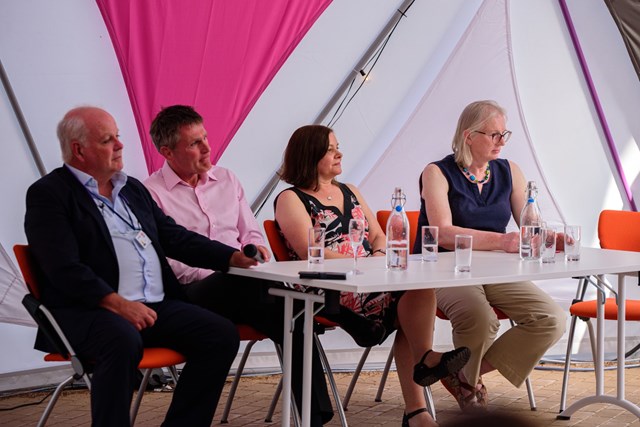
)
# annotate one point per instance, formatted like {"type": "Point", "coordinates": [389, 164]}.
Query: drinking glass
{"type": "Point", "coordinates": [429, 243]}
{"type": "Point", "coordinates": [315, 252]}
{"type": "Point", "coordinates": [463, 245]}
{"type": "Point", "coordinates": [548, 252]}
{"type": "Point", "coordinates": [356, 237]}
{"type": "Point", "coordinates": [572, 237]}
{"type": "Point", "coordinates": [530, 242]}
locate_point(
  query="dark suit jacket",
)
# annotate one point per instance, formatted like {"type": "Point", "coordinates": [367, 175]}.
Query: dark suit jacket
{"type": "Point", "coordinates": [71, 244]}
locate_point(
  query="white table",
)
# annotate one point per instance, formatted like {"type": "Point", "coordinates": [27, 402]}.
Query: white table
{"type": "Point", "coordinates": [487, 268]}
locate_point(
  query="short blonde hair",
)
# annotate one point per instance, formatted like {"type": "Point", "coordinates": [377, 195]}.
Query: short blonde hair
{"type": "Point", "coordinates": [472, 118]}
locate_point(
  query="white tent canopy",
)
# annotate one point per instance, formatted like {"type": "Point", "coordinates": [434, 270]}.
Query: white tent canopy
{"type": "Point", "coordinates": [443, 55]}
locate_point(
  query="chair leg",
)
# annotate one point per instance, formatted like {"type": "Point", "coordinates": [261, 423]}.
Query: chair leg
{"type": "Point", "coordinates": [274, 402]}
{"type": "Point", "coordinates": [567, 364]}
{"type": "Point", "coordinates": [354, 378]}
{"type": "Point", "coordinates": [592, 339]}
{"type": "Point", "coordinates": [532, 397]}
{"type": "Point", "coordinates": [236, 380]}
{"type": "Point", "coordinates": [580, 293]}
{"type": "Point", "coordinates": [385, 374]}
{"type": "Point", "coordinates": [527, 382]}
{"type": "Point", "coordinates": [136, 403]}
{"type": "Point", "coordinates": [173, 371]}
{"type": "Point", "coordinates": [332, 381]}
{"type": "Point", "coordinates": [54, 399]}
{"type": "Point", "coordinates": [428, 397]}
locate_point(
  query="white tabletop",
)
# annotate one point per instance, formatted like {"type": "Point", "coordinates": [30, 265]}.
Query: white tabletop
{"type": "Point", "coordinates": [486, 268]}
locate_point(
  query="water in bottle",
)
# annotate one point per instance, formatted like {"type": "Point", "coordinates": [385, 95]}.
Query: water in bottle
{"type": "Point", "coordinates": [397, 233]}
{"type": "Point", "coordinates": [530, 225]}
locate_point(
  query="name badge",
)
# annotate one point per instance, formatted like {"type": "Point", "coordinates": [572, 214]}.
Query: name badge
{"type": "Point", "coordinates": [142, 239]}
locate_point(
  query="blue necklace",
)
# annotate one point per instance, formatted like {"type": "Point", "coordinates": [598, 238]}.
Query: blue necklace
{"type": "Point", "coordinates": [472, 178]}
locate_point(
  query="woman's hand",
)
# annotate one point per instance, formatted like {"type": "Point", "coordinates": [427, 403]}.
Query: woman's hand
{"type": "Point", "coordinates": [559, 242]}
{"type": "Point", "coordinates": [511, 242]}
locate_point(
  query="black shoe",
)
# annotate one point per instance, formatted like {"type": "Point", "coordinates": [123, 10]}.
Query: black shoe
{"type": "Point", "coordinates": [407, 417]}
{"type": "Point", "coordinates": [450, 363]}
{"type": "Point", "coordinates": [364, 331]}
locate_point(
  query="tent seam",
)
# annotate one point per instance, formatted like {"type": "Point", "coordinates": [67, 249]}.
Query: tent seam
{"type": "Point", "coordinates": [525, 127]}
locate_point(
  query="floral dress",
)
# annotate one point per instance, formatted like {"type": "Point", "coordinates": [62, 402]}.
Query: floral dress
{"type": "Point", "coordinates": [379, 305]}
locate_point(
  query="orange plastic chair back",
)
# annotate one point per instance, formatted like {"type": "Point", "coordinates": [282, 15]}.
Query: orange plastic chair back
{"type": "Point", "coordinates": [278, 247]}
{"type": "Point", "coordinates": [619, 230]}
{"type": "Point", "coordinates": [27, 267]}
{"type": "Point", "coordinates": [383, 215]}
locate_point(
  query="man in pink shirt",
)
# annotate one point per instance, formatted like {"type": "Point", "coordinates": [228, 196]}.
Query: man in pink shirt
{"type": "Point", "coordinates": [210, 200]}
{"type": "Point", "coordinates": [204, 198]}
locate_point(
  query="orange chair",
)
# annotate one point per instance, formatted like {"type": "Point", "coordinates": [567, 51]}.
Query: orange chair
{"type": "Point", "coordinates": [618, 230]}
{"type": "Point", "coordinates": [153, 358]}
{"type": "Point", "coordinates": [383, 216]}
{"type": "Point", "coordinates": [281, 253]}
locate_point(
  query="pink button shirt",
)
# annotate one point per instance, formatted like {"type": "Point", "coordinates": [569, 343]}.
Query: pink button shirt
{"type": "Point", "coordinates": [215, 208]}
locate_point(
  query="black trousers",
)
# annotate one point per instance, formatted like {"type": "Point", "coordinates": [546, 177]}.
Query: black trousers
{"type": "Point", "coordinates": [246, 300]}
{"type": "Point", "coordinates": [209, 342]}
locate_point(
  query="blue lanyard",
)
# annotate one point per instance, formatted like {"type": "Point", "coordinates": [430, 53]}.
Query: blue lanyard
{"type": "Point", "coordinates": [126, 208]}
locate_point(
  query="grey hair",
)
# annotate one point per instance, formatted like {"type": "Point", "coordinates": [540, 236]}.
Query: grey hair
{"type": "Point", "coordinates": [71, 128]}
{"type": "Point", "coordinates": [472, 118]}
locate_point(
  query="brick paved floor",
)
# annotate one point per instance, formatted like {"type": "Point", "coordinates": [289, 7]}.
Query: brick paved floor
{"type": "Point", "coordinates": [254, 395]}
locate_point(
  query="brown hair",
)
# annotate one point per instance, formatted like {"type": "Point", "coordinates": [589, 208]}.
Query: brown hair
{"type": "Point", "coordinates": [165, 128]}
{"type": "Point", "coordinates": [306, 147]}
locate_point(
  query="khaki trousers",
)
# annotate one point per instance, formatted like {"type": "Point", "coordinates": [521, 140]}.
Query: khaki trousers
{"type": "Point", "coordinates": [540, 322]}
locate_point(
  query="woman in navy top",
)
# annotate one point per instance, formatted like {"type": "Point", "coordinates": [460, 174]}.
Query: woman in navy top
{"type": "Point", "coordinates": [473, 191]}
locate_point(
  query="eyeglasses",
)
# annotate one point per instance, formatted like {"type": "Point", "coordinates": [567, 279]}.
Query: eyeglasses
{"type": "Point", "coordinates": [497, 136]}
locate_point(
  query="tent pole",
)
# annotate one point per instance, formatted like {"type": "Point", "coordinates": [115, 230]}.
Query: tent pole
{"type": "Point", "coordinates": [596, 102]}
{"type": "Point", "coordinates": [397, 16]}
{"type": "Point", "coordinates": [400, 13]}
{"type": "Point", "coordinates": [21, 120]}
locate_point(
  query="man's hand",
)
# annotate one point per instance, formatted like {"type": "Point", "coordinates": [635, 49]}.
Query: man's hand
{"type": "Point", "coordinates": [138, 314]}
{"type": "Point", "coordinates": [511, 242]}
{"type": "Point", "coordinates": [240, 260]}
{"type": "Point", "coordinates": [266, 255]}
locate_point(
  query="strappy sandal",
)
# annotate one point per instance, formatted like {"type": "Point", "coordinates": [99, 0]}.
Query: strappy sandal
{"type": "Point", "coordinates": [407, 417]}
{"type": "Point", "coordinates": [450, 363]}
{"type": "Point", "coordinates": [468, 403]}
{"type": "Point", "coordinates": [482, 395]}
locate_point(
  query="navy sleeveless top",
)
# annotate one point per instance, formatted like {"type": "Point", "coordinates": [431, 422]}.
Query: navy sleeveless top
{"type": "Point", "coordinates": [486, 211]}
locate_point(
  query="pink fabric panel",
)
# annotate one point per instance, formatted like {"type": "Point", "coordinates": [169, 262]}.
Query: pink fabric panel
{"type": "Point", "coordinates": [217, 55]}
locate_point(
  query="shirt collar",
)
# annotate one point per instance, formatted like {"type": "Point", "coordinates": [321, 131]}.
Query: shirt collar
{"type": "Point", "coordinates": [171, 179]}
{"type": "Point", "coordinates": [119, 179]}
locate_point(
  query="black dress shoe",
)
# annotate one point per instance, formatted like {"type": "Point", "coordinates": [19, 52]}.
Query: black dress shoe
{"type": "Point", "coordinates": [450, 363]}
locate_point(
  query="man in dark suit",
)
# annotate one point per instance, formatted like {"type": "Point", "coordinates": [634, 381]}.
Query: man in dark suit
{"type": "Point", "coordinates": [102, 242]}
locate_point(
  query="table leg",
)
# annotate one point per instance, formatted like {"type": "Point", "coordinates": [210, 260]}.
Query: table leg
{"type": "Point", "coordinates": [600, 397]}
{"type": "Point", "coordinates": [621, 333]}
{"type": "Point", "coordinates": [599, 362]}
{"type": "Point", "coordinates": [309, 300]}
{"type": "Point", "coordinates": [307, 361]}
